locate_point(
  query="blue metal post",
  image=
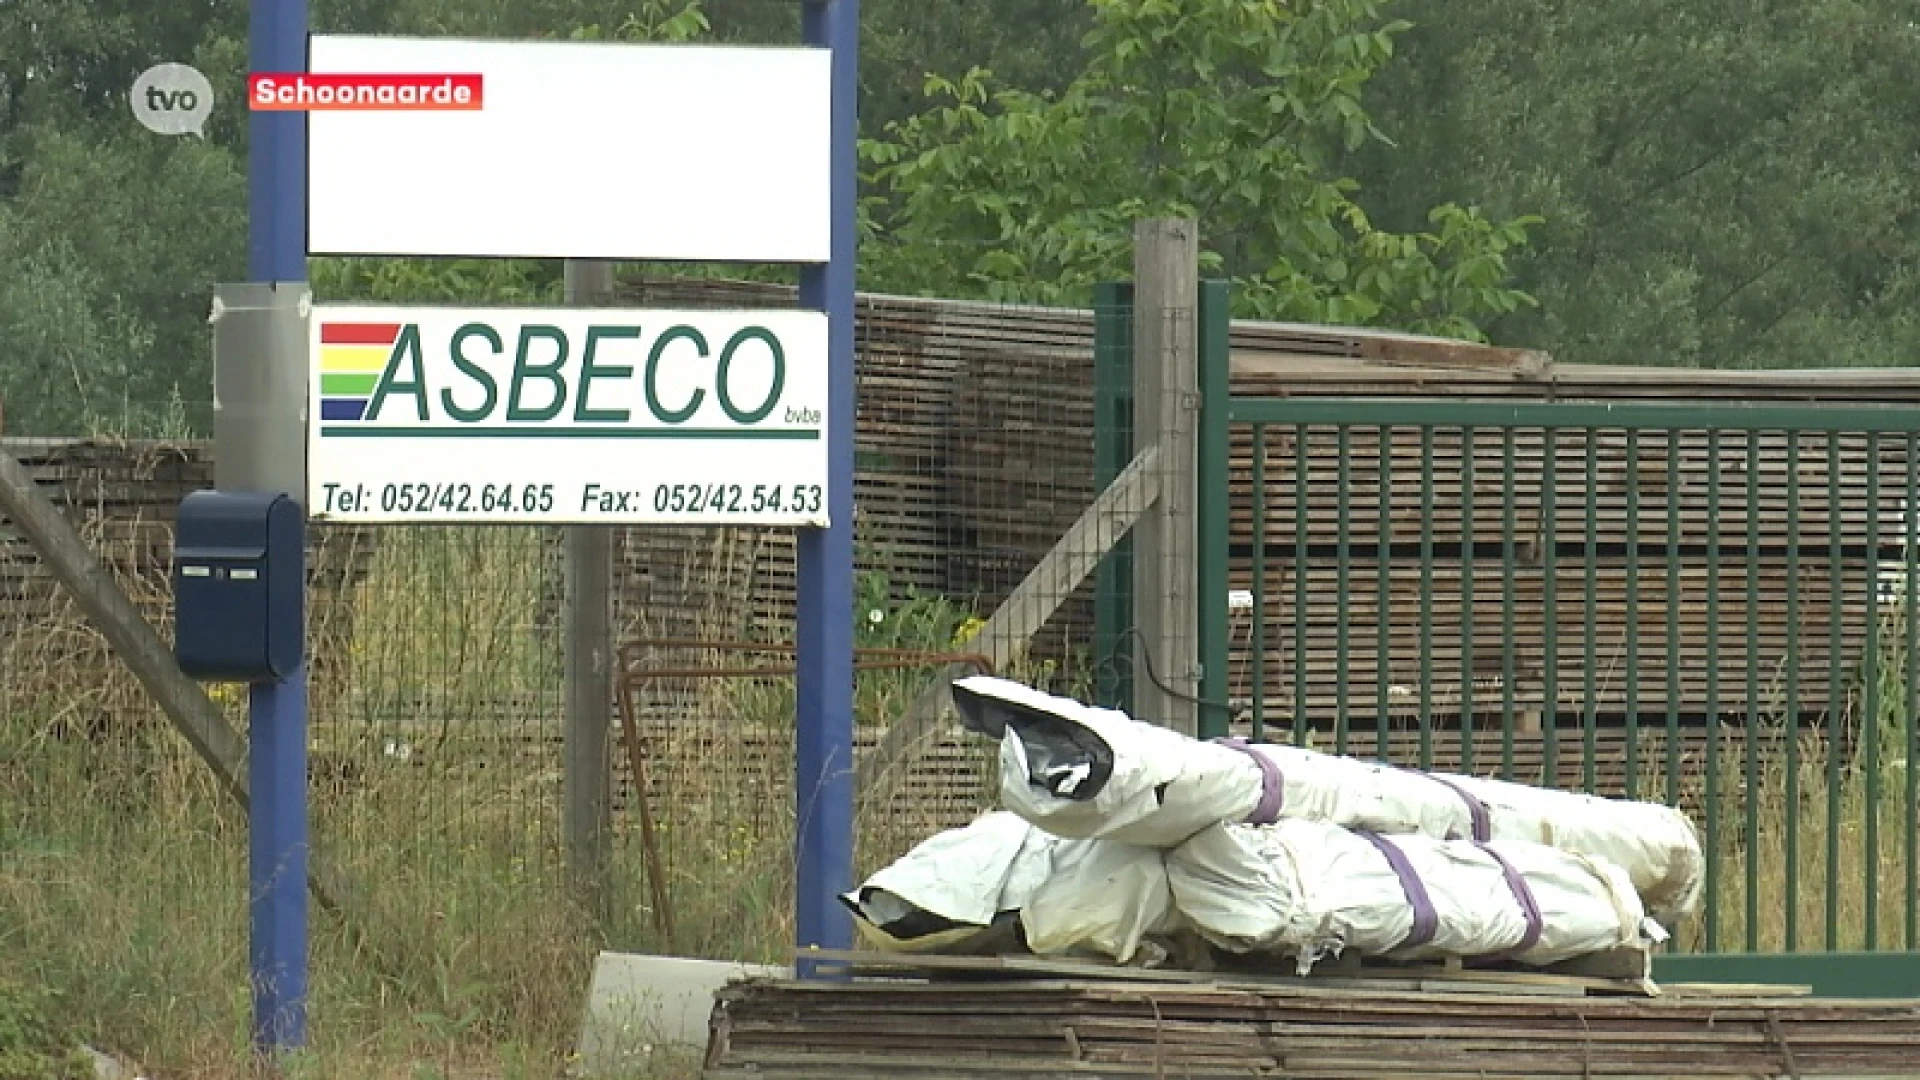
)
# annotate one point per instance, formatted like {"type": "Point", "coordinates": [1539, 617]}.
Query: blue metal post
{"type": "Point", "coordinates": [823, 736]}
{"type": "Point", "coordinates": [277, 712]}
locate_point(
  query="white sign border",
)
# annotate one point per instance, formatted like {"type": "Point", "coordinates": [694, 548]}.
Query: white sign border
{"type": "Point", "coordinates": [605, 150]}
{"type": "Point", "coordinates": [692, 495]}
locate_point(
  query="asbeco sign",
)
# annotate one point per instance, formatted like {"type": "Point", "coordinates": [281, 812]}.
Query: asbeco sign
{"type": "Point", "coordinates": [581, 415]}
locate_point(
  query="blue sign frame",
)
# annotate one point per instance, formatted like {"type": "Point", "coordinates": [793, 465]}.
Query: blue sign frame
{"type": "Point", "coordinates": [824, 765]}
{"type": "Point", "coordinates": [277, 711]}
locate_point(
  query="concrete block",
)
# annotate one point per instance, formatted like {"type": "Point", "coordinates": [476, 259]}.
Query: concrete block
{"type": "Point", "coordinates": [639, 1007]}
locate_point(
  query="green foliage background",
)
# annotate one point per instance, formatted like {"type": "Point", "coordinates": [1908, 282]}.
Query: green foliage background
{"type": "Point", "coordinates": [32, 1045]}
{"type": "Point", "coordinates": [1725, 184]}
{"type": "Point", "coordinates": [1700, 183]}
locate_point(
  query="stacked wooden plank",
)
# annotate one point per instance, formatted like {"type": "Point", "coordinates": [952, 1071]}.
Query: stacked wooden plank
{"type": "Point", "coordinates": [1506, 374]}
{"type": "Point", "coordinates": [903, 433]}
{"type": "Point", "coordinates": [974, 444]}
{"type": "Point", "coordinates": [1654, 648]}
{"type": "Point", "coordinates": [975, 428]}
{"type": "Point", "coordinates": [123, 497]}
{"type": "Point", "coordinates": [1014, 468]}
{"type": "Point", "coordinates": [1699, 568]}
{"type": "Point", "coordinates": [1012, 461]}
{"type": "Point", "coordinates": [1197, 1029]}
{"type": "Point", "coordinates": [1653, 488]}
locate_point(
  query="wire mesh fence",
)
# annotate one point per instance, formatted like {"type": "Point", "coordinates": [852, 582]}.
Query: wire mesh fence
{"type": "Point", "coordinates": [438, 701]}
{"type": "Point", "coordinates": [985, 438]}
{"type": "Point", "coordinates": [706, 728]}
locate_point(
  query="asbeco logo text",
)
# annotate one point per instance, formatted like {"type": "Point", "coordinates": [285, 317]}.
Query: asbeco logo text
{"type": "Point", "coordinates": [309, 92]}
{"type": "Point", "coordinates": [388, 379]}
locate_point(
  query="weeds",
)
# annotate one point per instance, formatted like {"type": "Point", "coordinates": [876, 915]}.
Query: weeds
{"type": "Point", "coordinates": [436, 785]}
{"type": "Point", "coordinates": [32, 1045]}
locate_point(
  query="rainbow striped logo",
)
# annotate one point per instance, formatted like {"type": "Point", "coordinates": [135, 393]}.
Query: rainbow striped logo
{"type": "Point", "coordinates": [353, 356]}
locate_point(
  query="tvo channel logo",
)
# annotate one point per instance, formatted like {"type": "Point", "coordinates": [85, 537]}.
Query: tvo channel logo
{"type": "Point", "coordinates": [172, 99]}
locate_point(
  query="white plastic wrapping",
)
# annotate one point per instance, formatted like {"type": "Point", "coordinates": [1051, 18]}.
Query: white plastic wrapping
{"type": "Point", "coordinates": [1300, 888]}
{"type": "Point", "coordinates": [956, 890]}
{"type": "Point", "coordinates": [1081, 771]}
{"type": "Point", "coordinates": [964, 890]}
{"type": "Point", "coordinates": [1656, 845]}
{"type": "Point", "coordinates": [1085, 772]}
{"type": "Point", "coordinates": [1311, 889]}
{"type": "Point", "coordinates": [1101, 899]}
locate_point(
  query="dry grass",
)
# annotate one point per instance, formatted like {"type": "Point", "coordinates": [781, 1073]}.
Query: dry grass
{"type": "Point", "coordinates": [1813, 870]}
{"type": "Point", "coordinates": [436, 756]}
{"type": "Point", "coordinates": [436, 764]}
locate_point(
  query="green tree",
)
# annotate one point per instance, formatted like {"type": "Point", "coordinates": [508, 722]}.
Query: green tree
{"type": "Point", "coordinates": [112, 237]}
{"type": "Point", "coordinates": [1725, 184]}
{"type": "Point", "coordinates": [1032, 44]}
{"type": "Point", "coordinates": [111, 250]}
{"type": "Point", "coordinates": [1233, 111]}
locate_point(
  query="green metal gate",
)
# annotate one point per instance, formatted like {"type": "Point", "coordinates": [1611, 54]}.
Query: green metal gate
{"type": "Point", "coordinates": [1703, 604]}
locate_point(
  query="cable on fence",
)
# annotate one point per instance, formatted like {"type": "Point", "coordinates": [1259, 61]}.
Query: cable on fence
{"type": "Point", "coordinates": [1146, 661]}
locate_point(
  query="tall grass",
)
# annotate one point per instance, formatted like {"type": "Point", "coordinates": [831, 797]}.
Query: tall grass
{"type": "Point", "coordinates": [123, 869]}
{"type": "Point", "coordinates": [437, 788]}
{"type": "Point", "coordinates": [1808, 883]}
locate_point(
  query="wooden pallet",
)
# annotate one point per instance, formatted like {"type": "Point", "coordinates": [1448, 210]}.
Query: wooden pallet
{"type": "Point", "coordinates": [1032, 1020]}
{"type": "Point", "coordinates": [1623, 971]}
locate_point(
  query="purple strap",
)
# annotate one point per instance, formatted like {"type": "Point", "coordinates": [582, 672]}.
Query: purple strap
{"type": "Point", "coordinates": [1273, 786]}
{"type": "Point", "coordinates": [1476, 810]}
{"type": "Point", "coordinates": [1523, 893]}
{"type": "Point", "coordinates": [1426, 921]}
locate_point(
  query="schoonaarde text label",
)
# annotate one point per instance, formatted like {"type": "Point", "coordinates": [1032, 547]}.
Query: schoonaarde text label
{"type": "Point", "coordinates": [601, 415]}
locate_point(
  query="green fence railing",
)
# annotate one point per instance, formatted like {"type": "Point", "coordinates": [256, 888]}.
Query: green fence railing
{"type": "Point", "coordinates": [1707, 605]}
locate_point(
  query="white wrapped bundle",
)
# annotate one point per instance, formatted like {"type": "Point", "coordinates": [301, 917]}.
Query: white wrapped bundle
{"type": "Point", "coordinates": [967, 890]}
{"type": "Point", "coordinates": [1310, 889]}
{"type": "Point", "coordinates": [1656, 845]}
{"type": "Point", "coordinates": [1081, 771]}
{"type": "Point", "coordinates": [957, 891]}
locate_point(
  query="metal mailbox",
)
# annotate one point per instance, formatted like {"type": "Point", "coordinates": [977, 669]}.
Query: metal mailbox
{"type": "Point", "coordinates": [239, 578]}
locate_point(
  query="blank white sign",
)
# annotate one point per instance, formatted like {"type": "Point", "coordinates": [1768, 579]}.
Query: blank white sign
{"type": "Point", "coordinates": [580, 150]}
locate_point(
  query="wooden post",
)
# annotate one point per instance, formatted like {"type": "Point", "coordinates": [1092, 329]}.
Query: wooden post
{"type": "Point", "coordinates": [1166, 412]}
{"type": "Point", "coordinates": [93, 588]}
{"type": "Point", "coordinates": [1021, 615]}
{"type": "Point", "coordinates": [588, 628]}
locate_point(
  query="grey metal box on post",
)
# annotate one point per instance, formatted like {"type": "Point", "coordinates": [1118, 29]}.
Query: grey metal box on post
{"type": "Point", "coordinates": [260, 374]}
{"type": "Point", "coordinates": [240, 551]}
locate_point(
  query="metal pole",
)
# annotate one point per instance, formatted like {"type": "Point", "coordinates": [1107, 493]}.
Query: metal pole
{"type": "Point", "coordinates": [277, 712]}
{"type": "Point", "coordinates": [823, 762]}
{"type": "Point", "coordinates": [1214, 521]}
{"type": "Point", "coordinates": [587, 779]}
